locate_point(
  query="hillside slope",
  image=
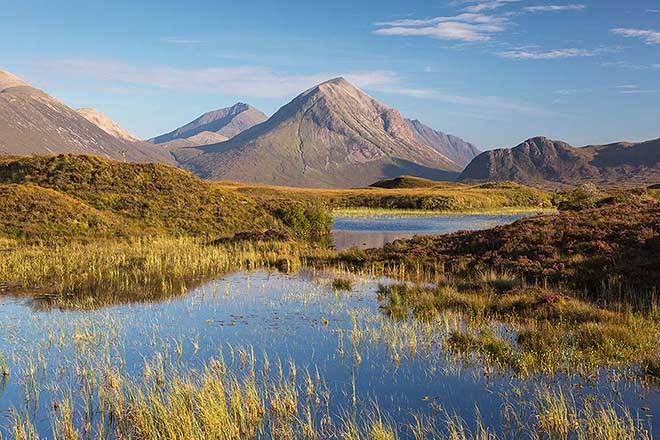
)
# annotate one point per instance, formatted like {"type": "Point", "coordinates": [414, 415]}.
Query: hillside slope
{"type": "Point", "coordinates": [332, 135]}
{"type": "Point", "coordinates": [455, 148]}
{"type": "Point", "coordinates": [613, 248]}
{"type": "Point", "coordinates": [32, 122]}
{"type": "Point", "coordinates": [542, 161]}
{"type": "Point", "coordinates": [106, 124]}
{"type": "Point", "coordinates": [111, 197]}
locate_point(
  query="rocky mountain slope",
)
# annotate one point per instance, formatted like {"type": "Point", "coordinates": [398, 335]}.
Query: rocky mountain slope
{"type": "Point", "coordinates": [332, 135]}
{"type": "Point", "coordinates": [455, 148]}
{"type": "Point", "coordinates": [542, 161]}
{"type": "Point", "coordinates": [33, 122]}
{"type": "Point", "coordinates": [106, 124]}
{"type": "Point", "coordinates": [225, 123]}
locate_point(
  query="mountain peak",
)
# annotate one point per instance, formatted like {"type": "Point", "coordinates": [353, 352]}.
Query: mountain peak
{"type": "Point", "coordinates": [340, 80]}
{"type": "Point", "coordinates": [337, 85]}
{"type": "Point", "coordinates": [9, 80]}
{"type": "Point", "coordinates": [332, 135]}
{"type": "Point", "coordinates": [227, 122]}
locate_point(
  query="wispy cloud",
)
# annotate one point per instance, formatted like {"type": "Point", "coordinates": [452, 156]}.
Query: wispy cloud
{"type": "Point", "coordinates": [571, 92]}
{"type": "Point", "coordinates": [480, 6]}
{"type": "Point", "coordinates": [260, 82]}
{"type": "Point", "coordinates": [631, 66]}
{"type": "Point", "coordinates": [548, 55]}
{"type": "Point", "coordinates": [648, 36]}
{"type": "Point", "coordinates": [180, 41]}
{"type": "Point", "coordinates": [248, 81]}
{"type": "Point", "coordinates": [555, 8]}
{"type": "Point", "coordinates": [635, 89]}
{"type": "Point", "coordinates": [469, 27]}
{"type": "Point", "coordinates": [639, 92]}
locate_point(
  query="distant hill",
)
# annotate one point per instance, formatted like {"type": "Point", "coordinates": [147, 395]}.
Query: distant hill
{"type": "Point", "coordinates": [332, 135]}
{"type": "Point", "coordinates": [455, 148]}
{"type": "Point", "coordinates": [107, 124]}
{"type": "Point", "coordinates": [203, 138]}
{"type": "Point", "coordinates": [404, 182]}
{"type": "Point", "coordinates": [545, 162]}
{"type": "Point", "coordinates": [225, 123]}
{"type": "Point", "coordinates": [32, 122]}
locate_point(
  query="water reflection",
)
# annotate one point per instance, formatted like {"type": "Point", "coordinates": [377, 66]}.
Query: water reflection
{"type": "Point", "coordinates": [367, 232]}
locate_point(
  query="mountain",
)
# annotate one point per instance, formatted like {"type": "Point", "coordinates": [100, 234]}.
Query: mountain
{"type": "Point", "coordinates": [225, 122]}
{"type": "Point", "coordinates": [332, 135]}
{"type": "Point", "coordinates": [33, 122]}
{"type": "Point", "coordinates": [203, 138]}
{"type": "Point", "coordinates": [542, 161]}
{"type": "Point", "coordinates": [455, 148]}
{"type": "Point", "coordinates": [107, 124]}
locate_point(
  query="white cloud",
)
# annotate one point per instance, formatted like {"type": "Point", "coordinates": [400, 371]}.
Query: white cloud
{"type": "Point", "coordinates": [465, 18]}
{"type": "Point", "coordinates": [488, 5]}
{"type": "Point", "coordinates": [248, 81]}
{"type": "Point", "coordinates": [468, 27]}
{"type": "Point", "coordinates": [180, 41]}
{"type": "Point", "coordinates": [638, 92]}
{"type": "Point", "coordinates": [570, 92]}
{"type": "Point", "coordinates": [555, 8]}
{"type": "Point", "coordinates": [648, 36]}
{"type": "Point", "coordinates": [631, 66]}
{"type": "Point", "coordinates": [258, 81]}
{"type": "Point", "coordinates": [547, 55]}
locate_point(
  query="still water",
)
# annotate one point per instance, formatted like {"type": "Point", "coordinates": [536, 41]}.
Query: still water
{"type": "Point", "coordinates": [363, 358]}
{"type": "Point", "coordinates": [375, 231]}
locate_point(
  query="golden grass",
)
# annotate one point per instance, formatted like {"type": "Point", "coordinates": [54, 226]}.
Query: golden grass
{"type": "Point", "coordinates": [444, 197]}
{"type": "Point", "coordinates": [87, 275]}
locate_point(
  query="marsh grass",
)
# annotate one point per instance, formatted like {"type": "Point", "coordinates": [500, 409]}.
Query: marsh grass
{"type": "Point", "coordinates": [558, 415]}
{"type": "Point", "coordinates": [553, 332]}
{"type": "Point", "coordinates": [88, 275]}
{"type": "Point", "coordinates": [371, 212]}
{"type": "Point", "coordinates": [441, 197]}
{"type": "Point", "coordinates": [339, 284]}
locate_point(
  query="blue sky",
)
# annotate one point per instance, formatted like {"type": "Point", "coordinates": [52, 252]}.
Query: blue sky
{"type": "Point", "coordinates": [494, 72]}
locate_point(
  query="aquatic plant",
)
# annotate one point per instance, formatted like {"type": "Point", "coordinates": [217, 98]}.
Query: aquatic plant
{"type": "Point", "coordinates": [342, 284]}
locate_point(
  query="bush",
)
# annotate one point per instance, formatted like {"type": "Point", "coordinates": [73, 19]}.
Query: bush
{"type": "Point", "coordinates": [585, 196]}
{"type": "Point", "coordinates": [310, 221]}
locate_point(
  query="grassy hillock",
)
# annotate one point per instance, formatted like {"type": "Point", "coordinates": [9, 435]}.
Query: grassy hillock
{"type": "Point", "coordinates": [115, 198]}
{"type": "Point", "coordinates": [442, 196]}
{"type": "Point", "coordinates": [403, 182]}
{"type": "Point", "coordinates": [28, 210]}
{"type": "Point", "coordinates": [612, 250]}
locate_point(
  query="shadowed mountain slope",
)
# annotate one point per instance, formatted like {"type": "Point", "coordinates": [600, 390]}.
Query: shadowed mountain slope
{"type": "Point", "coordinates": [455, 148]}
{"type": "Point", "coordinates": [542, 161]}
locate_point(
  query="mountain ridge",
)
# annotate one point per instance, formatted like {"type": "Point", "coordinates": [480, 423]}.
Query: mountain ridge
{"type": "Point", "coordinates": [547, 162]}
{"type": "Point", "coordinates": [226, 122]}
{"type": "Point", "coordinates": [455, 148]}
{"type": "Point", "coordinates": [33, 122]}
{"type": "Point", "coordinates": [331, 135]}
